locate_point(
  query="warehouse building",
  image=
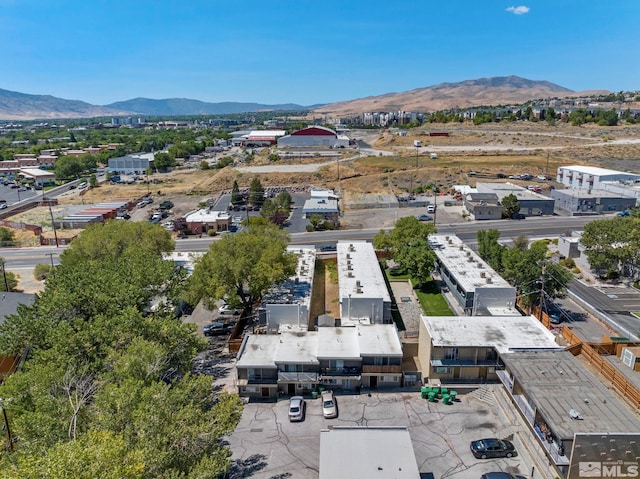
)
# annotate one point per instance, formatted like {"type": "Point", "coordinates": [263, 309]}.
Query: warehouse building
{"type": "Point", "coordinates": [590, 177]}
{"type": "Point", "coordinates": [581, 201]}
{"type": "Point", "coordinates": [531, 204]}
{"type": "Point", "coordinates": [314, 136]}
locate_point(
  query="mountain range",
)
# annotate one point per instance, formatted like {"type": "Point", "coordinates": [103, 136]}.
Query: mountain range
{"type": "Point", "coordinates": [470, 93]}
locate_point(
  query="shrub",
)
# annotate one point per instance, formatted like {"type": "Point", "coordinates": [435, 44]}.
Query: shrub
{"type": "Point", "coordinates": [41, 271]}
{"type": "Point", "coordinates": [211, 233]}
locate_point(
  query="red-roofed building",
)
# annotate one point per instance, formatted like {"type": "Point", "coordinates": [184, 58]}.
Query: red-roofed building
{"type": "Point", "coordinates": [314, 136]}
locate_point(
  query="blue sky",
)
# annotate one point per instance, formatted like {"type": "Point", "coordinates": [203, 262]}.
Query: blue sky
{"type": "Point", "coordinates": [308, 52]}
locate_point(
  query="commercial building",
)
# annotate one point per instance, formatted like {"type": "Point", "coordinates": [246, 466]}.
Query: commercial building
{"type": "Point", "coordinates": [467, 349]}
{"type": "Point", "coordinates": [367, 452]}
{"type": "Point", "coordinates": [590, 177]}
{"type": "Point", "coordinates": [286, 307]}
{"type": "Point", "coordinates": [531, 204]}
{"type": "Point", "coordinates": [132, 164]}
{"type": "Point", "coordinates": [560, 399]}
{"type": "Point", "coordinates": [313, 137]}
{"type": "Point", "coordinates": [477, 288]}
{"type": "Point", "coordinates": [297, 362]}
{"type": "Point", "coordinates": [89, 215]}
{"type": "Point", "coordinates": [483, 206]}
{"type": "Point", "coordinates": [581, 201]}
{"type": "Point", "coordinates": [363, 294]}
{"type": "Point", "coordinates": [37, 176]}
{"type": "Point", "coordinates": [201, 221]}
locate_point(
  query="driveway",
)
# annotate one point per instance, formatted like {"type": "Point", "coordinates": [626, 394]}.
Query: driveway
{"type": "Point", "coordinates": [266, 445]}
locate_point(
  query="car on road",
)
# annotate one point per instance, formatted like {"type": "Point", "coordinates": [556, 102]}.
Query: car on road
{"type": "Point", "coordinates": [72, 187]}
{"type": "Point", "coordinates": [217, 329]}
{"type": "Point", "coordinates": [329, 406]}
{"type": "Point", "coordinates": [500, 475]}
{"type": "Point", "coordinates": [297, 408]}
{"type": "Point", "coordinates": [3, 206]}
{"type": "Point", "coordinates": [492, 447]}
{"type": "Point", "coordinates": [82, 185]}
{"type": "Point", "coordinates": [555, 319]}
{"type": "Point", "coordinates": [623, 213]}
{"type": "Point", "coordinates": [431, 209]}
{"type": "Point", "coordinates": [425, 218]}
{"type": "Point", "coordinates": [541, 177]}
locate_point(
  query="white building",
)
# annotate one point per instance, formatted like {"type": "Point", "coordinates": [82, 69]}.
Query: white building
{"type": "Point", "coordinates": [590, 177]}
{"type": "Point", "coordinates": [380, 452]}
{"type": "Point", "coordinates": [286, 307]}
{"type": "Point", "coordinates": [364, 297]}
{"type": "Point", "coordinates": [132, 164]}
{"type": "Point", "coordinates": [475, 285]}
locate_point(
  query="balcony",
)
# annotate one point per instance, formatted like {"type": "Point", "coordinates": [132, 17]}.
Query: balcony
{"type": "Point", "coordinates": [469, 362]}
{"type": "Point", "coordinates": [256, 381]}
{"type": "Point", "coordinates": [349, 371]}
{"type": "Point", "coordinates": [290, 377]}
{"type": "Point", "coordinates": [370, 369]}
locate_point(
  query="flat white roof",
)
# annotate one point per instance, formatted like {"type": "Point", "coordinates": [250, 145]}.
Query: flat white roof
{"type": "Point", "coordinates": [259, 351]}
{"type": "Point", "coordinates": [338, 343]}
{"type": "Point", "coordinates": [506, 189]}
{"type": "Point", "coordinates": [504, 333]}
{"type": "Point", "coordinates": [378, 452]}
{"type": "Point", "coordinates": [206, 216]}
{"type": "Point", "coordinates": [596, 171]}
{"type": "Point", "coordinates": [378, 339]}
{"type": "Point", "coordinates": [261, 133]}
{"type": "Point", "coordinates": [297, 348]}
{"type": "Point", "coordinates": [37, 172]}
{"type": "Point", "coordinates": [470, 271]}
{"type": "Point", "coordinates": [296, 290]}
{"type": "Point", "coordinates": [327, 205]}
{"type": "Point", "coordinates": [359, 273]}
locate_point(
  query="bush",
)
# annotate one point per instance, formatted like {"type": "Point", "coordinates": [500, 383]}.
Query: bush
{"type": "Point", "coordinates": [211, 233]}
{"type": "Point", "coordinates": [568, 263]}
{"type": "Point", "coordinates": [310, 228]}
{"type": "Point", "coordinates": [41, 271]}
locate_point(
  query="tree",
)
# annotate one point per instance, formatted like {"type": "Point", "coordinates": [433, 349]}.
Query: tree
{"type": "Point", "coordinates": [407, 243]}
{"type": "Point", "coordinates": [106, 389]}
{"type": "Point", "coordinates": [204, 165]}
{"type": "Point", "coordinates": [612, 246]}
{"type": "Point", "coordinates": [551, 116]}
{"type": "Point", "coordinates": [41, 271]}
{"type": "Point", "coordinates": [236, 197]}
{"type": "Point", "coordinates": [511, 205]}
{"type": "Point", "coordinates": [67, 167]}
{"type": "Point", "coordinates": [7, 236]}
{"type": "Point", "coordinates": [489, 249]}
{"type": "Point", "coordinates": [256, 192]}
{"type": "Point", "coordinates": [162, 161]}
{"type": "Point", "coordinates": [93, 181]}
{"type": "Point", "coordinates": [242, 267]}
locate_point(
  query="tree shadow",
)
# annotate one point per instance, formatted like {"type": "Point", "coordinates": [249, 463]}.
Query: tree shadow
{"type": "Point", "coordinates": [246, 467]}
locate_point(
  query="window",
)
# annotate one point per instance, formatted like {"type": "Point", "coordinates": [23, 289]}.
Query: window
{"type": "Point", "coordinates": [389, 379]}
{"type": "Point", "coordinates": [441, 370]}
{"type": "Point", "coordinates": [451, 354]}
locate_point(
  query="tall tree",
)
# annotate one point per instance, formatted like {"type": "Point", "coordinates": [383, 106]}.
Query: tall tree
{"type": "Point", "coordinates": [407, 243]}
{"type": "Point", "coordinates": [256, 192]}
{"type": "Point", "coordinates": [612, 246]}
{"type": "Point", "coordinates": [489, 249]}
{"type": "Point", "coordinates": [242, 267]}
{"type": "Point", "coordinates": [236, 197]}
{"type": "Point", "coordinates": [511, 205]}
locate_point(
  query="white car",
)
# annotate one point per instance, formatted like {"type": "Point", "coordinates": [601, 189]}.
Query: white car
{"type": "Point", "coordinates": [297, 408]}
{"type": "Point", "coordinates": [329, 406]}
{"type": "Point", "coordinates": [226, 309]}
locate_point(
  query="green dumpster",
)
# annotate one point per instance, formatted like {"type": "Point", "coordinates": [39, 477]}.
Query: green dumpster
{"type": "Point", "coordinates": [424, 391]}
{"type": "Point", "coordinates": [314, 394]}
{"type": "Point", "coordinates": [452, 395]}
{"type": "Point", "coordinates": [432, 396]}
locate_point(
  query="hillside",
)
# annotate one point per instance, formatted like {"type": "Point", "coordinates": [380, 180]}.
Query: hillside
{"type": "Point", "coordinates": [22, 106]}
{"type": "Point", "coordinates": [185, 106]}
{"type": "Point", "coordinates": [470, 93]}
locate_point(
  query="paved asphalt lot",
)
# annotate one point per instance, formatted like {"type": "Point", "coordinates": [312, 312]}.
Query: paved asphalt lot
{"type": "Point", "coordinates": [266, 445]}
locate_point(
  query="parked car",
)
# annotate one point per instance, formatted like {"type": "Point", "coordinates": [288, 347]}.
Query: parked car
{"type": "Point", "coordinates": [82, 185]}
{"type": "Point", "coordinates": [555, 319]}
{"type": "Point", "coordinates": [492, 447]}
{"type": "Point", "coordinates": [500, 475]}
{"type": "Point", "coordinates": [226, 309]}
{"type": "Point", "coordinates": [501, 175]}
{"type": "Point", "coordinates": [431, 209]}
{"type": "Point", "coordinates": [623, 213]}
{"type": "Point", "coordinates": [542, 177]}
{"type": "Point", "coordinates": [217, 329]}
{"type": "Point", "coordinates": [329, 406]}
{"type": "Point", "coordinates": [297, 408]}
{"type": "Point", "coordinates": [425, 218]}
{"type": "Point", "coordinates": [166, 205]}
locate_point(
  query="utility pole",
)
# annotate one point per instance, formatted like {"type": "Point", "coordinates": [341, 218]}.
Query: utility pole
{"type": "Point", "coordinates": [53, 225]}
{"type": "Point", "coordinates": [4, 274]}
{"type": "Point", "coordinates": [542, 291]}
{"type": "Point", "coordinates": [50, 255]}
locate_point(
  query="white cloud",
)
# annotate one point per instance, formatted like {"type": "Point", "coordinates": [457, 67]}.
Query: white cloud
{"type": "Point", "coordinates": [521, 10]}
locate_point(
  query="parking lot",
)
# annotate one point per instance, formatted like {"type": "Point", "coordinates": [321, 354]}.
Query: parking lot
{"type": "Point", "coordinates": [266, 445]}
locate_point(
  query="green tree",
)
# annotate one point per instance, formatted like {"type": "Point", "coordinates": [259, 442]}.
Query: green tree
{"type": "Point", "coordinates": [489, 249]}
{"type": "Point", "coordinates": [9, 280]}
{"type": "Point", "coordinates": [407, 243]}
{"type": "Point", "coordinates": [242, 267]}
{"type": "Point", "coordinates": [551, 116]}
{"type": "Point", "coordinates": [68, 167]}
{"type": "Point", "coordinates": [162, 161]}
{"type": "Point", "coordinates": [7, 236]}
{"type": "Point", "coordinates": [236, 197]}
{"type": "Point", "coordinates": [41, 271]}
{"type": "Point", "coordinates": [93, 181]}
{"type": "Point", "coordinates": [256, 192]}
{"type": "Point", "coordinates": [511, 205]}
{"type": "Point", "coordinates": [612, 246]}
